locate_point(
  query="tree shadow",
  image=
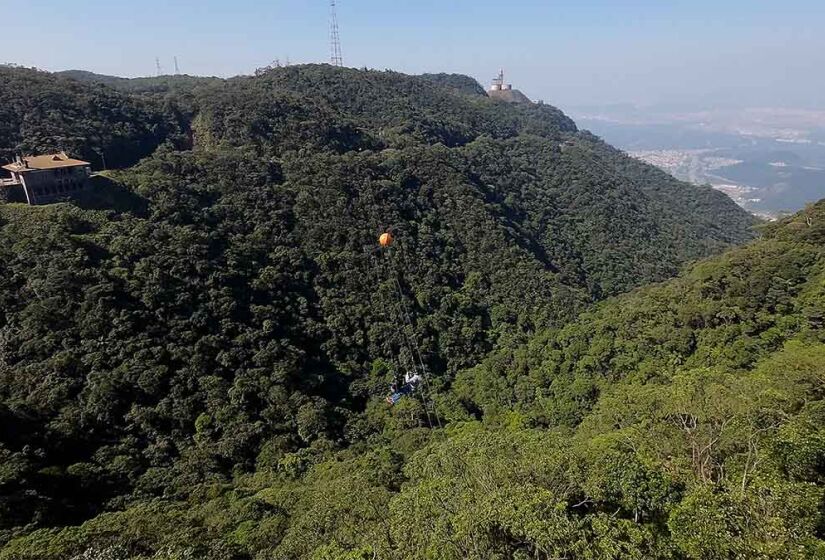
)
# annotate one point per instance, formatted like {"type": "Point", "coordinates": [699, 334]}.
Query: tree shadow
{"type": "Point", "coordinates": [106, 194]}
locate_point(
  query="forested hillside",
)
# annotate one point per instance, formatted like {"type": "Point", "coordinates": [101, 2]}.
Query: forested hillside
{"type": "Point", "coordinates": [682, 421]}
{"type": "Point", "coordinates": [212, 351]}
{"type": "Point", "coordinates": [42, 113]}
{"type": "Point", "coordinates": [145, 86]}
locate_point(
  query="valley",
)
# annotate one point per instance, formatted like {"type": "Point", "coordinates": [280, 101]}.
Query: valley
{"type": "Point", "coordinates": [334, 314]}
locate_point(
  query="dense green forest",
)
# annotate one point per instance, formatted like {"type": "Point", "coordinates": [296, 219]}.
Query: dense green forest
{"type": "Point", "coordinates": [194, 356]}
{"type": "Point", "coordinates": [42, 113]}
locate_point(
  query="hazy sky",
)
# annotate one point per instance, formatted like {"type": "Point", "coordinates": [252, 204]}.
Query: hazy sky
{"type": "Point", "coordinates": [566, 52]}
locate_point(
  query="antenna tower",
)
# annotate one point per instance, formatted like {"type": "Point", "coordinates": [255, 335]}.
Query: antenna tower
{"type": "Point", "coordinates": [157, 66]}
{"type": "Point", "coordinates": [335, 58]}
{"type": "Point", "coordinates": [177, 68]}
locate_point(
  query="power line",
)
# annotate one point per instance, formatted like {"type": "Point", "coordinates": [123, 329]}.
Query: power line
{"type": "Point", "coordinates": [335, 56]}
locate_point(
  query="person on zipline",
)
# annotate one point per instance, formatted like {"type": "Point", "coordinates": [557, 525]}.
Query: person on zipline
{"type": "Point", "coordinates": [411, 382]}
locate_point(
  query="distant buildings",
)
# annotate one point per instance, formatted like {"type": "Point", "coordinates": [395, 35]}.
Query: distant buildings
{"type": "Point", "coordinates": [504, 92]}
{"type": "Point", "coordinates": [45, 179]}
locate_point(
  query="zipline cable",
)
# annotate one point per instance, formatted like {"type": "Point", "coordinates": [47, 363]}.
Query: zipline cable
{"type": "Point", "coordinates": [410, 328]}
{"type": "Point", "coordinates": [384, 307]}
{"type": "Point", "coordinates": [412, 347]}
{"type": "Point", "coordinates": [405, 340]}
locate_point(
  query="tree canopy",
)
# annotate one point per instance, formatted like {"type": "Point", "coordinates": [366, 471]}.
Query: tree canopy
{"type": "Point", "coordinates": [194, 355]}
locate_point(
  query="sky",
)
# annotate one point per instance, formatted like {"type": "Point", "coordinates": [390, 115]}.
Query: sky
{"type": "Point", "coordinates": [570, 53]}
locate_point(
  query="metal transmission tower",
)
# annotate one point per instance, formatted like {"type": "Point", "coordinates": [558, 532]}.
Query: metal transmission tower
{"type": "Point", "coordinates": [157, 66]}
{"type": "Point", "coordinates": [335, 56]}
{"type": "Point", "coordinates": [177, 68]}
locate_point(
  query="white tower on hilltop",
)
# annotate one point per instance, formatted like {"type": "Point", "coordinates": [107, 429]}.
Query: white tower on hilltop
{"type": "Point", "coordinates": [499, 84]}
{"type": "Point", "coordinates": [503, 91]}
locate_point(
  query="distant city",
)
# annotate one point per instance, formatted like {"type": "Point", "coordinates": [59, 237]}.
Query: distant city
{"type": "Point", "coordinates": [770, 161]}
